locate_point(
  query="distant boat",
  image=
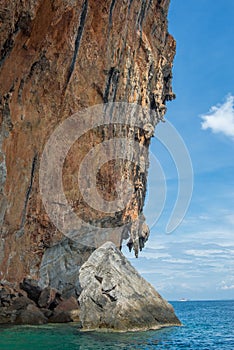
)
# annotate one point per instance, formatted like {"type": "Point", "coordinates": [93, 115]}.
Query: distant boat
{"type": "Point", "coordinates": [183, 299]}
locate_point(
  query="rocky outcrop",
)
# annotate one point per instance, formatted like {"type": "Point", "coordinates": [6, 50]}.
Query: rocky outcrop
{"type": "Point", "coordinates": [33, 305]}
{"type": "Point", "coordinates": [116, 297]}
{"type": "Point", "coordinates": [57, 58]}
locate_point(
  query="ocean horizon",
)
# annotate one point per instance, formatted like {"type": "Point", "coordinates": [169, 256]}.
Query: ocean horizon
{"type": "Point", "coordinates": [207, 325]}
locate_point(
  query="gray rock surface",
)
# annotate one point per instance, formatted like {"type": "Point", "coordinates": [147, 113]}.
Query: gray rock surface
{"type": "Point", "coordinates": [115, 296]}
{"type": "Point", "coordinates": [60, 267]}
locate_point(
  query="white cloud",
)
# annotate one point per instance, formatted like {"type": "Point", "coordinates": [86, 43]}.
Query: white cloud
{"type": "Point", "coordinates": [204, 217]}
{"type": "Point", "coordinates": [205, 253]}
{"type": "Point", "coordinates": [156, 255]}
{"type": "Point", "coordinates": [220, 118]}
{"type": "Point", "coordinates": [227, 285]}
{"type": "Point", "coordinates": [178, 261]}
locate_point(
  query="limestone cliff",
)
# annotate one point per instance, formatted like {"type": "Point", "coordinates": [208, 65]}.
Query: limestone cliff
{"type": "Point", "coordinates": [57, 58]}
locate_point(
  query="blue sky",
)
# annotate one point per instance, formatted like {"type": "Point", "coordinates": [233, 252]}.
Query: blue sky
{"type": "Point", "coordinates": [196, 261]}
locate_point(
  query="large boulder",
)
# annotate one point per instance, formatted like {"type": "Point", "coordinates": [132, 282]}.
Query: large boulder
{"type": "Point", "coordinates": [31, 315]}
{"type": "Point", "coordinates": [115, 296]}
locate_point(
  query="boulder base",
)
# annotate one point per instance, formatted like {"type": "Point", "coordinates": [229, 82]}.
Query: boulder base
{"type": "Point", "coordinates": [35, 308]}
{"type": "Point", "coordinates": [116, 297]}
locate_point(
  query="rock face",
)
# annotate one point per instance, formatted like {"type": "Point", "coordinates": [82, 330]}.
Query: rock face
{"type": "Point", "coordinates": [60, 265]}
{"type": "Point", "coordinates": [116, 297]}
{"type": "Point", "coordinates": [57, 58]}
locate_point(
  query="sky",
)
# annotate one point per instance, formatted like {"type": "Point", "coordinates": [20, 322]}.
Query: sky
{"type": "Point", "coordinates": [196, 261]}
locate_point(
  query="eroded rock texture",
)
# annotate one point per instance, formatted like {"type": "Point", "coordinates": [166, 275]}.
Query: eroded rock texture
{"type": "Point", "coordinates": [115, 296]}
{"type": "Point", "coordinates": [57, 58]}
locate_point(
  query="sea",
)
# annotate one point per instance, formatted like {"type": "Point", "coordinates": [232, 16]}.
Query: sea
{"type": "Point", "coordinates": [207, 325]}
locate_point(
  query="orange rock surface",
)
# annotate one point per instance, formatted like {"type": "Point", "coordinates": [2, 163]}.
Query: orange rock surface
{"type": "Point", "coordinates": [57, 58]}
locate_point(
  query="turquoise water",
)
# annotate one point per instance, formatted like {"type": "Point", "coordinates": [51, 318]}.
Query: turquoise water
{"type": "Point", "coordinates": [208, 325]}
